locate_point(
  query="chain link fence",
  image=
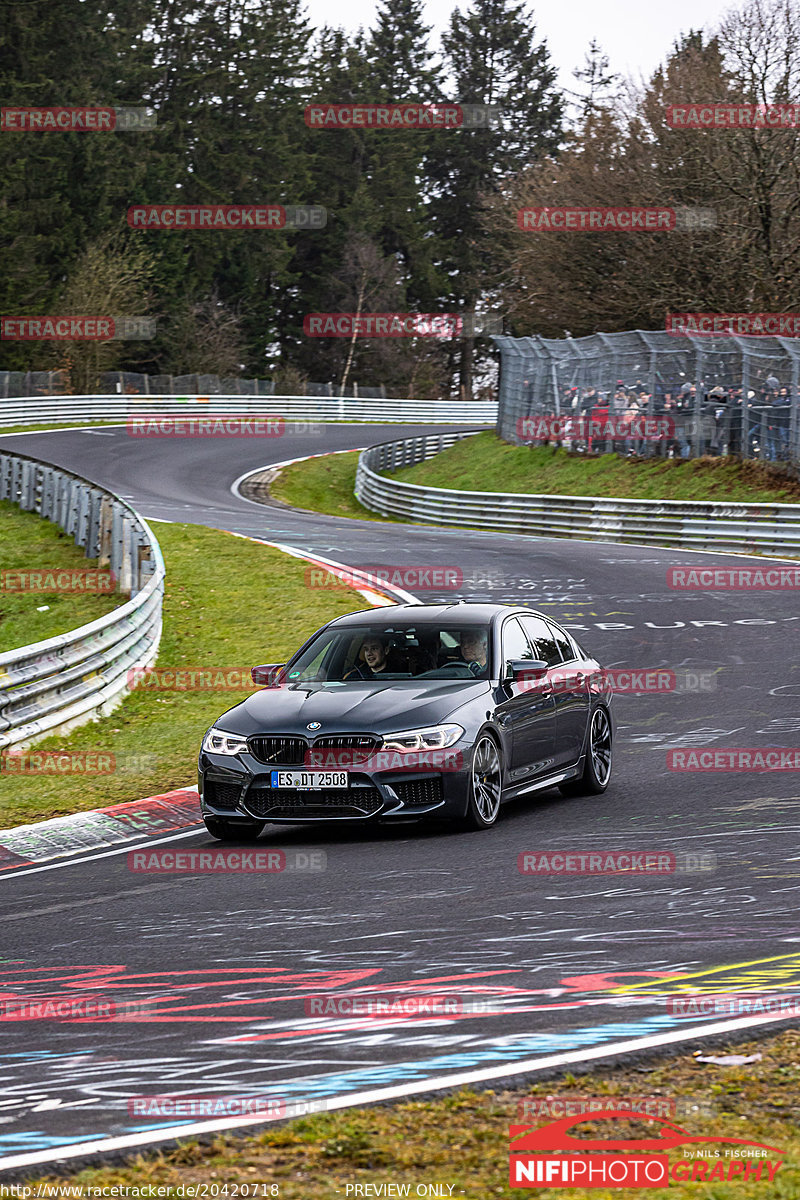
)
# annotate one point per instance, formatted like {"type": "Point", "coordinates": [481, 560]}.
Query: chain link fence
{"type": "Point", "coordinates": [654, 394]}
{"type": "Point", "coordinates": [131, 383]}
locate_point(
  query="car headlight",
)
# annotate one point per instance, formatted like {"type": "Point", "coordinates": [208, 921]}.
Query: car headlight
{"type": "Point", "coordinates": [216, 742]}
{"type": "Point", "coordinates": [436, 737]}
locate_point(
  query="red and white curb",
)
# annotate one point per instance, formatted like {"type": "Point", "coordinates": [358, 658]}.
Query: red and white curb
{"type": "Point", "coordinates": [169, 813]}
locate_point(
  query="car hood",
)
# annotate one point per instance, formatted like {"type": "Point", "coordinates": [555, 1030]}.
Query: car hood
{"type": "Point", "coordinates": [358, 707]}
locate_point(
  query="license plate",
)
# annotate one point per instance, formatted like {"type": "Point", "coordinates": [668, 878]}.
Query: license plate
{"type": "Point", "coordinates": [308, 781]}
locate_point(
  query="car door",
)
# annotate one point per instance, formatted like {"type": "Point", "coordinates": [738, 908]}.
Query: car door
{"type": "Point", "coordinates": [526, 710]}
{"type": "Point", "coordinates": [570, 686]}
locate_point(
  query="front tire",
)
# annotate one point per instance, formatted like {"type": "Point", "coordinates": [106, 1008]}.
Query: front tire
{"type": "Point", "coordinates": [485, 785]}
{"type": "Point", "coordinates": [597, 768]}
{"type": "Point", "coordinates": [231, 831]}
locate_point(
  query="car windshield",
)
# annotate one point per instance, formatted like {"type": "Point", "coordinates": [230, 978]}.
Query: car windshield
{"type": "Point", "coordinates": [351, 654]}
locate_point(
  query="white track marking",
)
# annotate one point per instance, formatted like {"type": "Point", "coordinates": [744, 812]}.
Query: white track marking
{"type": "Point", "coordinates": [378, 1095]}
{"type": "Point", "coordinates": [18, 872]}
{"type": "Point", "coordinates": [68, 429]}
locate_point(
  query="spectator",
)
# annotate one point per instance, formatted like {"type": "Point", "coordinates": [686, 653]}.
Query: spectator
{"type": "Point", "coordinates": [718, 405]}
{"type": "Point", "coordinates": [632, 414]}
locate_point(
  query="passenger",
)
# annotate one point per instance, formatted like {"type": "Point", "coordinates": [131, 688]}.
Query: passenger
{"type": "Point", "coordinates": [473, 644]}
{"type": "Point", "coordinates": [374, 651]}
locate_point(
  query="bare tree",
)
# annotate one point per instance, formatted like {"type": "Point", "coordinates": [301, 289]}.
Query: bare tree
{"type": "Point", "coordinates": [207, 339]}
{"type": "Point", "coordinates": [371, 284]}
{"type": "Point", "coordinates": [110, 279]}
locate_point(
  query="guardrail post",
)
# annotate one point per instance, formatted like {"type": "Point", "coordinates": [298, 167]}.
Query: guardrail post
{"type": "Point", "coordinates": [6, 475]}
{"type": "Point", "coordinates": [27, 499]}
{"type": "Point", "coordinates": [73, 506]}
{"type": "Point", "coordinates": [48, 493]}
{"type": "Point", "coordinates": [128, 553]}
{"type": "Point", "coordinates": [93, 525]}
{"type": "Point", "coordinates": [82, 523]}
{"type": "Point", "coordinates": [117, 544]}
{"type": "Point", "coordinates": [105, 533]}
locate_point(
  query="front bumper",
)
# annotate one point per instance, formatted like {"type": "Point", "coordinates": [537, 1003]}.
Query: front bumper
{"type": "Point", "coordinates": [238, 789]}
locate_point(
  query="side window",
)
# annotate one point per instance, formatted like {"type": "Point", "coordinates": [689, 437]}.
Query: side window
{"type": "Point", "coordinates": [563, 643]}
{"type": "Point", "coordinates": [542, 640]}
{"type": "Point", "coordinates": [515, 643]}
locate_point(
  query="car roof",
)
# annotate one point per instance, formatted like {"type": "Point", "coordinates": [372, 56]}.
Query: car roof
{"type": "Point", "coordinates": [455, 613]}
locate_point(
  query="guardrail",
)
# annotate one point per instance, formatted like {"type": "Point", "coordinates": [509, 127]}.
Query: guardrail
{"type": "Point", "coordinates": [46, 409]}
{"type": "Point", "coordinates": [54, 685]}
{"type": "Point", "coordinates": [772, 529]}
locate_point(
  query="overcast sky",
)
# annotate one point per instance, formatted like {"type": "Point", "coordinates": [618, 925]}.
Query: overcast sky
{"type": "Point", "coordinates": [635, 35]}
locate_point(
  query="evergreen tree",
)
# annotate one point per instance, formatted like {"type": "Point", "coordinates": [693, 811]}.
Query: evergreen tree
{"type": "Point", "coordinates": [494, 59]}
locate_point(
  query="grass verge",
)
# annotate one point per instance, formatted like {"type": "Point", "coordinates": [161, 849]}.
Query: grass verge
{"type": "Point", "coordinates": [323, 485]}
{"type": "Point", "coordinates": [27, 543]}
{"type": "Point", "coordinates": [40, 428]}
{"type": "Point", "coordinates": [229, 604]}
{"type": "Point", "coordinates": [460, 1140]}
{"type": "Point", "coordinates": [485, 463]}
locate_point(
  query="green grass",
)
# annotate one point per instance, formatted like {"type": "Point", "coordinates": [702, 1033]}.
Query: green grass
{"type": "Point", "coordinates": [485, 463]}
{"type": "Point", "coordinates": [324, 485]}
{"type": "Point", "coordinates": [229, 603]}
{"type": "Point", "coordinates": [37, 428]}
{"type": "Point", "coordinates": [27, 543]}
{"type": "Point", "coordinates": [461, 1139]}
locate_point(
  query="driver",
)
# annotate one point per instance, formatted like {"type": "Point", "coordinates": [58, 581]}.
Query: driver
{"type": "Point", "coordinates": [374, 651]}
{"type": "Point", "coordinates": [474, 645]}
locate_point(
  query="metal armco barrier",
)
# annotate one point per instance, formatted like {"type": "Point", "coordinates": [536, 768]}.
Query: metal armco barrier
{"type": "Point", "coordinates": [772, 529]}
{"type": "Point", "coordinates": [44, 409]}
{"type": "Point", "coordinates": [55, 685]}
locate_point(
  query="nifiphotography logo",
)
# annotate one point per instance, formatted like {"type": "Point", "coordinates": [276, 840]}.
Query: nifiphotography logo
{"type": "Point", "coordinates": [552, 1156]}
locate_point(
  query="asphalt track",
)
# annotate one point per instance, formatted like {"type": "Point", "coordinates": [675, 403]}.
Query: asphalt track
{"type": "Point", "coordinates": [573, 967]}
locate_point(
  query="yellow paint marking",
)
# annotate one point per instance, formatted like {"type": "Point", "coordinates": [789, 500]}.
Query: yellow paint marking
{"type": "Point", "coordinates": [789, 959]}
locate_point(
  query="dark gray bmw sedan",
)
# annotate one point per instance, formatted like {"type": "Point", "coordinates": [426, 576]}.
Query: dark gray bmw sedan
{"type": "Point", "coordinates": [410, 711]}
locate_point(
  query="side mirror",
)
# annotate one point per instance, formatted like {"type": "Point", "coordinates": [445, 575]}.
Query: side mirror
{"type": "Point", "coordinates": [525, 670]}
{"type": "Point", "coordinates": [265, 676]}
